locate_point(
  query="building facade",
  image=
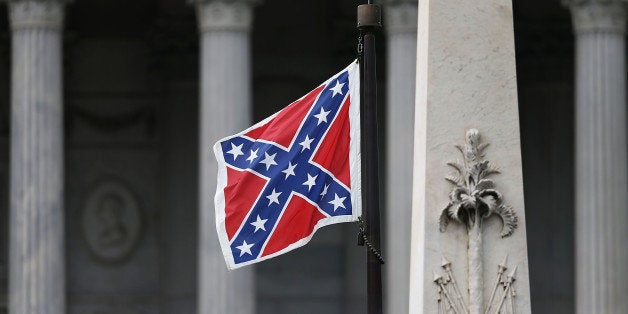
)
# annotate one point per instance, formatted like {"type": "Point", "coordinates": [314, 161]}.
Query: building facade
{"type": "Point", "coordinates": [109, 108]}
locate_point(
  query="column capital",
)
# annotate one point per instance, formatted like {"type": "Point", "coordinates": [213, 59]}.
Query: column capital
{"type": "Point", "coordinates": [594, 16]}
{"type": "Point", "coordinates": [400, 16]}
{"type": "Point", "coordinates": [221, 15]}
{"type": "Point", "coordinates": [29, 14]}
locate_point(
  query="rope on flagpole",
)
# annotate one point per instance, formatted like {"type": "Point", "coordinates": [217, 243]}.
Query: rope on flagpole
{"type": "Point", "coordinates": [363, 239]}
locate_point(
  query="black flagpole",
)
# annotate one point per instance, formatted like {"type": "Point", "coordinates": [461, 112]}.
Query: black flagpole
{"type": "Point", "coordinates": [369, 21]}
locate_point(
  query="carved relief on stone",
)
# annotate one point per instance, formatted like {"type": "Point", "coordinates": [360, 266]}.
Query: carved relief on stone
{"type": "Point", "coordinates": [473, 199]}
{"type": "Point", "coordinates": [117, 123]}
{"type": "Point", "coordinates": [502, 298]}
{"type": "Point", "coordinates": [111, 222]}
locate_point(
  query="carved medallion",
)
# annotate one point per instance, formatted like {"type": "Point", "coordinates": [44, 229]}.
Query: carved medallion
{"type": "Point", "coordinates": [111, 222]}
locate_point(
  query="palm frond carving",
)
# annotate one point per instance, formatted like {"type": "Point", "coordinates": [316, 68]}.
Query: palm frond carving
{"type": "Point", "coordinates": [474, 196]}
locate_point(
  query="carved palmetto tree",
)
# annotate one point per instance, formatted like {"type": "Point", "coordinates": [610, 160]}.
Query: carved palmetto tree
{"type": "Point", "coordinates": [472, 200]}
{"type": "Point", "coordinates": [474, 197]}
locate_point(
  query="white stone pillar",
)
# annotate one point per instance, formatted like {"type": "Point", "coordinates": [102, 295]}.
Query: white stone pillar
{"type": "Point", "coordinates": [467, 216]}
{"type": "Point", "coordinates": [225, 99]}
{"type": "Point", "coordinates": [401, 32]}
{"type": "Point", "coordinates": [36, 239]}
{"type": "Point", "coordinates": [601, 156]}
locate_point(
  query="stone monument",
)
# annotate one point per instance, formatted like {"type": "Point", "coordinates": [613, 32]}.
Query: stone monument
{"type": "Point", "coordinates": [468, 249]}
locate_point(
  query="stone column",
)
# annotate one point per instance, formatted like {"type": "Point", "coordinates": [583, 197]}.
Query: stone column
{"type": "Point", "coordinates": [225, 99]}
{"type": "Point", "coordinates": [401, 33]}
{"type": "Point", "coordinates": [601, 156]}
{"type": "Point", "coordinates": [36, 240]}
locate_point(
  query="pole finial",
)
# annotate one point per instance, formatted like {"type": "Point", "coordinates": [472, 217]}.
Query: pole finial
{"type": "Point", "coordinates": [369, 15]}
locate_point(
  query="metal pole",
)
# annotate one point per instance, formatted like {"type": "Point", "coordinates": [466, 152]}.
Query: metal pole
{"type": "Point", "coordinates": [369, 21]}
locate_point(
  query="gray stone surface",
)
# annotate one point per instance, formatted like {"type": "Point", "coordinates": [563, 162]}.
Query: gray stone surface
{"type": "Point", "coordinates": [102, 285]}
{"type": "Point", "coordinates": [37, 255]}
{"type": "Point", "coordinates": [225, 108]}
{"type": "Point", "coordinates": [601, 156]}
{"type": "Point", "coordinates": [401, 30]}
{"type": "Point", "coordinates": [113, 137]}
{"type": "Point", "coordinates": [465, 79]}
{"type": "Point", "coordinates": [179, 224]}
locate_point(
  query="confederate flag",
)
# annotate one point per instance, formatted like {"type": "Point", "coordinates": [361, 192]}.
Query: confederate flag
{"type": "Point", "coordinates": [294, 172]}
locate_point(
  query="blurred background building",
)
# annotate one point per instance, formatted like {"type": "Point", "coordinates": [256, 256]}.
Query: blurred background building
{"type": "Point", "coordinates": [115, 191]}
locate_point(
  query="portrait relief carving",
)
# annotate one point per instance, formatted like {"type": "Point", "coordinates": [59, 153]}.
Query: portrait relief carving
{"type": "Point", "coordinates": [111, 222]}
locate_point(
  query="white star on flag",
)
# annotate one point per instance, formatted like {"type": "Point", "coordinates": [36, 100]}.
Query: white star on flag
{"type": "Point", "coordinates": [321, 116]}
{"type": "Point", "coordinates": [306, 143]}
{"type": "Point", "coordinates": [259, 224]}
{"type": "Point", "coordinates": [337, 89]}
{"type": "Point", "coordinates": [236, 151]}
{"type": "Point", "coordinates": [273, 197]}
{"type": "Point", "coordinates": [325, 190]}
{"type": "Point", "coordinates": [252, 156]}
{"type": "Point", "coordinates": [337, 202]}
{"type": "Point", "coordinates": [290, 170]}
{"type": "Point", "coordinates": [245, 248]}
{"type": "Point", "coordinates": [311, 181]}
{"type": "Point", "coordinates": [269, 160]}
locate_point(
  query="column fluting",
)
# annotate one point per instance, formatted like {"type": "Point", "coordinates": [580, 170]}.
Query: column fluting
{"type": "Point", "coordinates": [601, 156]}
{"type": "Point", "coordinates": [36, 237]}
